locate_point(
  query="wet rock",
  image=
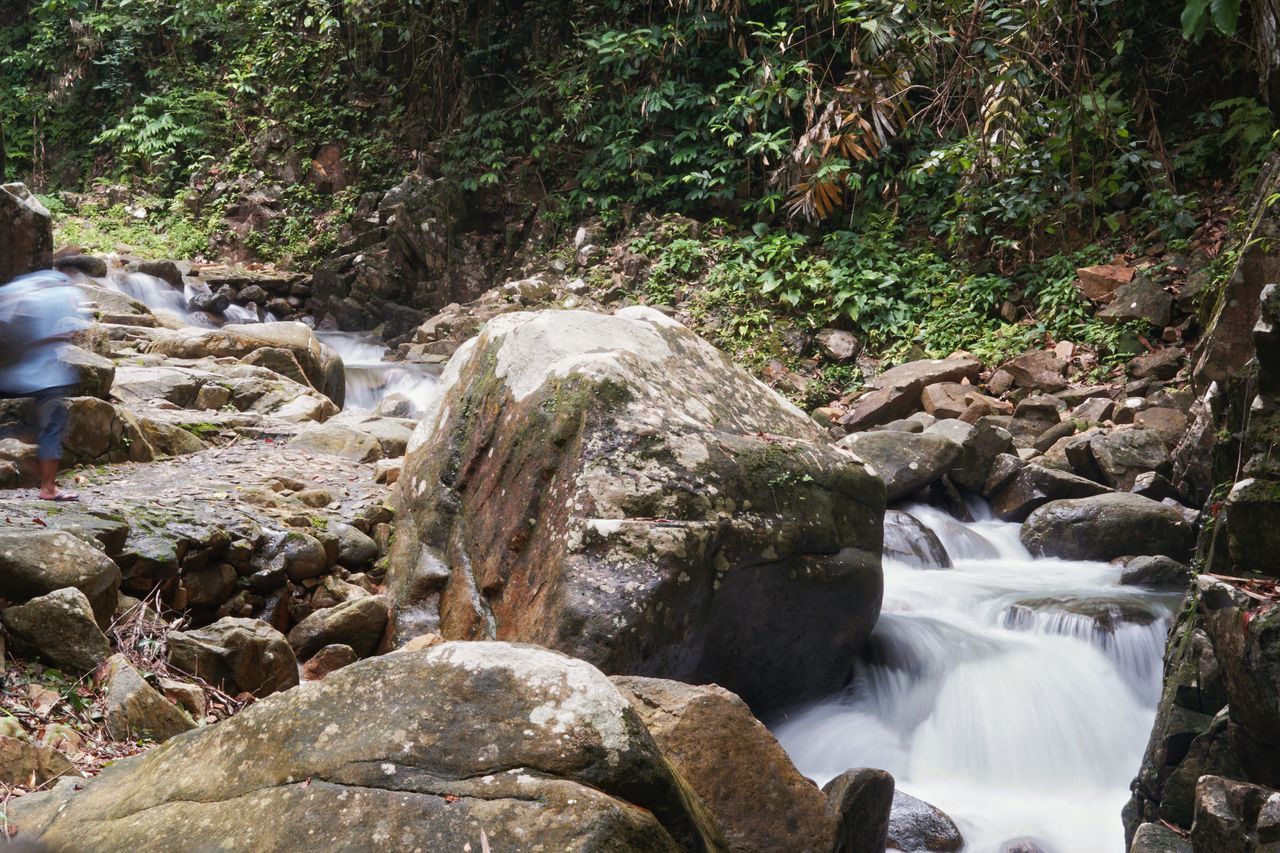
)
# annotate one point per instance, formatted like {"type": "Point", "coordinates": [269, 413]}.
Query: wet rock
{"type": "Point", "coordinates": [575, 451]}
{"type": "Point", "coordinates": [741, 775]}
{"type": "Point", "coordinates": [519, 740]}
{"type": "Point", "coordinates": [1034, 486]}
{"type": "Point", "coordinates": [328, 659]}
{"type": "Point", "coordinates": [1247, 535]}
{"type": "Point", "coordinates": [896, 392]}
{"type": "Point", "coordinates": [861, 801]}
{"type": "Point", "coordinates": [60, 627]}
{"type": "Point", "coordinates": [28, 230]}
{"type": "Point", "coordinates": [90, 265]}
{"type": "Point", "coordinates": [1037, 371]}
{"type": "Point", "coordinates": [209, 587]}
{"type": "Point", "coordinates": [915, 825]}
{"type": "Point", "coordinates": [134, 709]}
{"type": "Point", "coordinates": [1235, 817]}
{"type": "Point", "coordinates": [1141, 299]}
{"type": "Point", "coordinates": [35, 562]}
{"type": "Point", "coordinates": [980, 444]}
{"type": "Point", "coordinates": [358, 623]}
{"type": "Point", "coordinates": [236, 656]}
{"type": "Point", "coordinates": [1154, 486]}
{"type": "Point", "coordinates": [1105, 527]}
{"type": "Point", "coordinates": [1157, 571]}
{"type": "Point", "coordinates": [909, 541]}
{"type": "Point", "coordinates": [1248, 651]}
{"type": "Point", "coordinates": [32, 765]}
{"type": "Point", "coordinates": [1158, 838]}
{"type": "Point", "coordinates": [906, 462]}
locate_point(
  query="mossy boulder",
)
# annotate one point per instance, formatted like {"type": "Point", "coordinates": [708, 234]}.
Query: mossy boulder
{"type": "Point", "coordinates": [418, 750]}
{"type": "Point", "coordinates": [614, 487]}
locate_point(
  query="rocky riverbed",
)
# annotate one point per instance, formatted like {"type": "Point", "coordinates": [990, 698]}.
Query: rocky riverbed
{"type": "Point", "coordinates": [547, 599]}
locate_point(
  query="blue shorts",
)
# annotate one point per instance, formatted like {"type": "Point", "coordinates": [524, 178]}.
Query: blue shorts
{"type": "Point", "coordinates": [50, 412]}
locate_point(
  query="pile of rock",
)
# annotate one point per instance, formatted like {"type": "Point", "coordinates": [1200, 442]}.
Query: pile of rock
{"type": "Point", "coordinates": [1084, 466]}
{"type": "Point", "coordinates": [1212, 766]}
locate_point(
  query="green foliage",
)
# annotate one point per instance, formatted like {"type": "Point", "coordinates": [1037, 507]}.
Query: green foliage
{"type": "Point", "coordinates": [166, 230]}
{"type": "Point", "coordinates": [899, 295]}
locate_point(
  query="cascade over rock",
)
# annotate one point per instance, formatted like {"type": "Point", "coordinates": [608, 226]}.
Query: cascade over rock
{"type": "Point", "coordinates": [613, 487]}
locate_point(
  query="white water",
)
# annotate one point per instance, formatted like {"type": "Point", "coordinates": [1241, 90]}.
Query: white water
{"type": "Point", "coordinates": [370, 377]}
{"type": "Point", "coordinates": [1016, 720]}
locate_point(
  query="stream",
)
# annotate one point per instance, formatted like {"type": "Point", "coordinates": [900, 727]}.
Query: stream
{"type": "Point", "coordinates": [1015, 694]}
{"type": "Point", "coordinates": [371, 375]}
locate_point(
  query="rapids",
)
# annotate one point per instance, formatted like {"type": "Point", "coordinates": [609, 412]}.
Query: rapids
{"type": "Point", "coordinates": [1015, 694]}
{"type": "Point", "coordinates": [371, 376]}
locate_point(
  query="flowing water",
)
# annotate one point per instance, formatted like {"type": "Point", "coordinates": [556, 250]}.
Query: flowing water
{"type": "Point", "coordinates": [1016, 694]}
{"type": "Point", "coordinates": [371, 377]}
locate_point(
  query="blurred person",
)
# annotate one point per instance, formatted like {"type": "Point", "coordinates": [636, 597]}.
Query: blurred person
{"type": "Point", "coordinates": [38, 315]}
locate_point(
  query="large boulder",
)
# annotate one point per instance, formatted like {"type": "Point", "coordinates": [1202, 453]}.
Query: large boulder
{"type": "Point", "coordinates": [615, 487]}
{"type": "Point", "coordinates": [420, 750]}
{"type": "Point", "coordinates": [896, 393]}
{"type": "Point", "coordinates": [60, 627]}
{"type": "Point", "coordinates": [1107, 526]}
{"type": "Point", "coordinates": [321, 365]}
{"type": "Point", "coordinates": [907, 462]}
{"type": "Point", "coordinates": [36, 562]}
{"type": "Point", "coordinates": [26, 233]}
{"type": "Point", "coordinates": [740, 773]}
{"type": "Point", "coordinates": [237, 656]}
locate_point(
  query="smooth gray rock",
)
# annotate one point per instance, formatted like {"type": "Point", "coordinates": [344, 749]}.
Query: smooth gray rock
{"type": "Point", "coordinates": [1105, 527]}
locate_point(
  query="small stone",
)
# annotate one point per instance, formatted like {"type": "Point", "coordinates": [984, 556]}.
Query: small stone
{"type": "Point", "coordinates": [1099, 283]}
{"type": "Point", "coordinates": [357, 623]}
{"type": "Point", "coordinates": [838, 345]}
{"type": "Point", "coordinates": [328, 659]}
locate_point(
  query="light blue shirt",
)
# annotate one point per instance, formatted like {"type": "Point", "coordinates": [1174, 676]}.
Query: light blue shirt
{"type": "Point", "coordinates": [37, 312]}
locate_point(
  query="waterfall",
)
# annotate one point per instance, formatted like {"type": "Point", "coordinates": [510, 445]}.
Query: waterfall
{"type": "Point", "coordinates": [1014, 693]}
{"type": "Point", "coordinates": [371, 378]}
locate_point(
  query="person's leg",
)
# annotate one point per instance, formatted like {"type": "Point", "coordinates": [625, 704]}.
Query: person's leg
{"type": "Point", "coordinates": [51, 424]}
